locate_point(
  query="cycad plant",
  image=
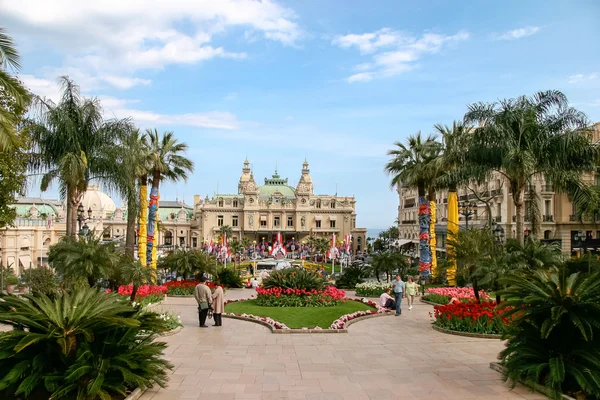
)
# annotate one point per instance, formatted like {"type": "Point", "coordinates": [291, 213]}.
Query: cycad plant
{"type": "Point", "coordinates": [294, 278]}
{"type": "Point", "coordinates": [554, 340]}
{"type": "Point", "coordinates": [83, 345]}
{"type": "Point", "coordinates": [188, 263]}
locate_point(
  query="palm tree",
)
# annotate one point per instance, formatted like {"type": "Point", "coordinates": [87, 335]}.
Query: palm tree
{"type": "Point", "coordinates": [473, 247]}
{"type": "Point", "coordinates": [169, 163]}
{"type": "Point", "coordinates": [189, 263]}
{"type": "Point", "coordinates": [134, 273]}
{"type": "Point", "coordinates": [532, 136]}
{"type": "Point", "coordinates": [83, 259]}
{"type": "Point", "coordinates": [71, 140]}
{"type": "Point", "coordinates": [452, 158]}
{"type": "Point", "coordinates": [319, 245]}
{"type": "Point", "coordinates": [410, 165]}
{"type": "Point", "coordinates": [226, 230]}
{"type": "Point", "coordinates": [13, 89]}
{"type": "Point", "coordinates": [534, 254]}
{"type": "Point", "coordinates": [131, 163]}
{"type": "Point", "coordinates": [389, 262]}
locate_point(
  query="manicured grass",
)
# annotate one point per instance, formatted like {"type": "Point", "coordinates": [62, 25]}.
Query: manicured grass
{"type": "Point", "coordinates": [298, 317]}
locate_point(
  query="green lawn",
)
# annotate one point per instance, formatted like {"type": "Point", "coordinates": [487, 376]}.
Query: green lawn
{"type": "Point", "coordinates": [298, 317]}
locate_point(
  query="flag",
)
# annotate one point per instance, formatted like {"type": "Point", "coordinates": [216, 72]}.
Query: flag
{"type": "Point", "coordinates": [278, 245]}
{"type": "Point", "coordinates": [333, 251]}
{"type": "Point", "coordinates": [348, 241]}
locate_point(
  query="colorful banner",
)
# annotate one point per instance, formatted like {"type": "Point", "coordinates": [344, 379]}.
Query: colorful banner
{"type": "Point", "coordinates": [424, 249]}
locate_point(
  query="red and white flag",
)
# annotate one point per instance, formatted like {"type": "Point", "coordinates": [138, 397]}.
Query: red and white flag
{"type": "Point", "coordinates": [278, 247]}
{"type": "Point", "coordinates": [225, 246]}
{"type": "Point", "coordinates": [333, 251]}
{"type": "Point", "coordinates": [348, 241]}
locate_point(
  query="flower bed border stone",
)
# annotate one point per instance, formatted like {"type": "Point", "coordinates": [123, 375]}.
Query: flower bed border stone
{"type": "Point", "coordinates": [466, 334]}
{"type": "Point", "coordinates": [534, 386]}
{"type": "Point", "coordinates": [258, 320]}
{"type": "Point", "coordinates": [136, 394]}
{"type": "Point", "coordinates": [429, 302]}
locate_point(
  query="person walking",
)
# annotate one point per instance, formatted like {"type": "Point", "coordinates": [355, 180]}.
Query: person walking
{"type": "Point", "coordinates": [204, 299]}
{"type": "Point", "coordinates": [398, 292]}
{"type": "Point", "coordinates": [218, 305]}
{"type": "Point", "coordinates": [411, 291]}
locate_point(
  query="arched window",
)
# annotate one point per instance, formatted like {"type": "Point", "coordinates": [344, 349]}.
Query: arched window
{"type": "Point", "coordinates": [220, 202]}
{"type": "Point", "coordinates": [548, 234]}
{"type": "Point", "coordinates": [235, 202]}
{"type": "Point", "coordinates": [168, 238]}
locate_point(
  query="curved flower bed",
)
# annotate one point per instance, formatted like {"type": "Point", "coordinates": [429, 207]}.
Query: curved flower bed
{"type": "Point", "coordinates": [184, 288]}
{"type": "Point", "coordinates": [339, 325]}
{"type": "Point", "coordinates": [145, 295]}
{"type": "Point", "coordinates": [281, 297]}
{"type": "Point", "coordinates": [480, 318]}
{"type": "Point", "coordinates": [444, 295]}
{"type": "Point", "coordinates": [372, 289]}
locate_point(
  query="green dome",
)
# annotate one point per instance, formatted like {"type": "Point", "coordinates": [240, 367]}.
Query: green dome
{"type": "Point", "coordinates": [276, 186]}
{"type": "Point", "coordinates": [24, 209]}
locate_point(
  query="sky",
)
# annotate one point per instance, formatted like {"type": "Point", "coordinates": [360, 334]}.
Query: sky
{"type": "Point", "coordinates": [335, 82]}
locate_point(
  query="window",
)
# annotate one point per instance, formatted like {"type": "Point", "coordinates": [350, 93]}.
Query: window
{"type": "Point", "coordinates": [168, 238]}
{"type": "Point", "coordinates": [194, 242]}
{"type": "Point", "coordinates": [234, 221]}
{"type": "Point", "coordinates": [220, 202]}
{"type": "Point", "coordinates": [235, 202]}
{"type": "Point", "coordinates": [276, 221]}
{"type": "Point", "coordinates": [318, 223]}
{"type": "Point", "coordinates": [547, 210]}
{"type": "Point", "coordinates": [332, 224]}
{"type": "Point", "coordinates": [547, 234]}
{"type": "Point", "coordinates": [219, 220]}
{"type": "Point", "coordinates": [354, 222]}
{"type": "Point", "coordinates": [263, 221]}
{"type": "Point", "coordinates": [332, 203]}
{"type": "Point", "coordinates": [182, 241]}
{"type": "Point", "coordinates": [290, 222]}
{"type": "Point", "coordinates": [318, 203]}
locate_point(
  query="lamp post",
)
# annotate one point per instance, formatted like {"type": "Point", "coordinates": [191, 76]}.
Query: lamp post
{"type": "Point", "coordinates": [467, 209]}
{"type": "Point", "coordinates": [85, 229]}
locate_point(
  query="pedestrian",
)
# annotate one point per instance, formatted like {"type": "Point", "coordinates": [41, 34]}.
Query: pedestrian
{"type": "Point", "coordinates": [204, 299]}
{"type": "Point", "coordinates": [411, 291]}
{"type": "Point", "coordinates": [387, 301]}
{"type": "Point", "coordinates": [398, 292]}
{"type": "Point", "coordinates": [218, 305]}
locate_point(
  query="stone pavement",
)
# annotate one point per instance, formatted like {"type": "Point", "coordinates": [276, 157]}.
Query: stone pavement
{"type": "Point", "coordinates": [379, 358]}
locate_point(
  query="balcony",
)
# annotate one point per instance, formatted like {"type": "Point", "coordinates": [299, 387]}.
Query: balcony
{"type": "Point", "coordinates": [514, 218]}
{"type": "Point", "coordinates": [547, 188]}
{"type": "Point", "coordinates": [572, 217]}
{"type": "Point", "coordinates": [548, 218]}
{"type": "Point", "coordinates": [498, 218]}
{"type": "Point", "coordinates": [409, 222]}
{"type": "Point", "coordinates": [496, 192]}
{"type": "Point", "coordinates": [410, 205]}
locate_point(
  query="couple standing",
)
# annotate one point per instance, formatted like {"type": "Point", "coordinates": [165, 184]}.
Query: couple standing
{"type": "Point", "coordinates": [401, 289]}
{"type": "Point", "coordinates": [207, 301]}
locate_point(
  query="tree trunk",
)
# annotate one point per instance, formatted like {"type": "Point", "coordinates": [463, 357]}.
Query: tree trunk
{"type": "Point", "coordinates": [518, 201]}
{"type": "Point", "coordinates": [152, 210]}
{"type": "Point", "coordinates": [143, 220]}
{"type": "Point", "coordinates": [475, 288]}
{"type": "Point", "coordinates": [131, 219]}
{"type": "Point", "coordinates": [452, 234]}
{"type": "Point", "coordinates": [498, 299]}
{"type": "Point", "coordinates": [133, 293]}
{"type": "Point", "coordinates": [424, 249]}
{"type": "Point", "coordinates": [432, 238]}
{"type": "Point", "coordinates": [91, 281]}
{"type": "Point", "coordinates": [69, 216]}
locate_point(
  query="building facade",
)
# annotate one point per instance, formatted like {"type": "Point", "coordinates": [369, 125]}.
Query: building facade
{"type": "Point", "coordinates": [255, 212]}
{"type": "Point", "coordinates": [258, 213]}
{"type": "Point", "coordinates": [492, 202]}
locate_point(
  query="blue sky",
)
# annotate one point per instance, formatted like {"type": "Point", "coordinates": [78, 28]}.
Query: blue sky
{"type": "Point", "coordinates": [336, 82]}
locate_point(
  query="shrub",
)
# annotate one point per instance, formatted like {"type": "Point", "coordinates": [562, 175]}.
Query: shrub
{"type": "Point", "coordinates": [294, 278]}
{"type": "Point", "coordinates": [555, 337]}
{"type": "Point", "coordinates": [229, 277]}
{"type": "Point", "coordinates": [184, 288]}
{"type": "Point", "coordinates": [279, 297]}
{"type": "Point", "coordinates": [471, 317]}
{"type": "Point", "coordinates": [352, 276]}
{"type": "Point", "coordinates": [372, 289]}
{"type": "Point", "coordinates": [41, 280]}
{"type": "Point", "coordinates": [86, 345]}
{"type": "Point", "coordinates": [11, 280]}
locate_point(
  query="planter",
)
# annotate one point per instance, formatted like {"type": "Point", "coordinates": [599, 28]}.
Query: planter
{"type": "Point", "coordinates": [10, 289]}
{"type": "Point", "coordinates": [466, 334]}
{"type": "Point", "coordinates": [136, 394]}
{"type": "Point", "coordinates": [534, 386]}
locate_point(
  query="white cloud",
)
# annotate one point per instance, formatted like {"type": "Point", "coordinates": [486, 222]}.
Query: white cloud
{"type": "Point", "coordinates": [517, 33]}
{"type": "Point", "coordinates": [402, 51]}
{"type": "Point", "coordinates": [112, 40]}
{"type": "Point", "coordinates": [578, 78]}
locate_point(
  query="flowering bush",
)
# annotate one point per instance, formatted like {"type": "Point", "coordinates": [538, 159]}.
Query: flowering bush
{"type": "Point", "coordinates": [340, 323]}
{"type": "Point", "coordinates": [444, 295]}
{"type": "Point", "coordinates": [471, 317]}
{"type": "Point", "coordinates": [287, 297]}
{"type": "Point", "coordinates": [185, 288]}
{"type": "Point", "coordinates": [372, 289]}
{"type": "Point", "coordinates": [172, 321]}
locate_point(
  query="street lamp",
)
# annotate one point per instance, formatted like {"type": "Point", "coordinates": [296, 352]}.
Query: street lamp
{"type": "Point", "coordinates": [467, 209]}
{"type": "Point", "coordinates": [85, 229]}
{"type": "Point", "coordinates": [499, 234]}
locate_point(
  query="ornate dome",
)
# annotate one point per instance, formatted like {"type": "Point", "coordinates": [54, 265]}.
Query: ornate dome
{"type": "Point", "coordinates": [276, 186]}
{"type": "Point", "coordinates": [99, 202]}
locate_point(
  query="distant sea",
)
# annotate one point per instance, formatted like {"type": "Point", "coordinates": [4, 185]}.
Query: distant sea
{"type": "Point", "coordinates": [374, 233]}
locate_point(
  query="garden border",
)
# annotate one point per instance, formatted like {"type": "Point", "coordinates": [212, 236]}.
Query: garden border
{"type": "Point", "coordinates": [466, 334]}
{"type": "Point", "coordinates": [431, 303]}
{"type": "Point", "coordinates": [171, 332]}
{"type": "Point", "coordinates": [136, 394]}
{"type": "Point", "coordinates": [306, 330]}
{"type": "Point", "coordinates": [534, 386]}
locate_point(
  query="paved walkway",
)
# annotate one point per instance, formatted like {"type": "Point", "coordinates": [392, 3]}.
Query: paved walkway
{"type": "Point", "coordinates": [378, 359]}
